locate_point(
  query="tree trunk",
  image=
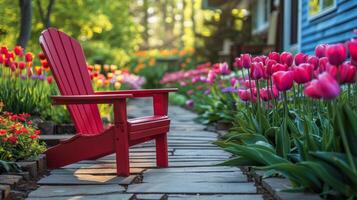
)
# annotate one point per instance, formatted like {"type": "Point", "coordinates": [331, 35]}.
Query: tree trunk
{"type": "Point", "coordinates": [25, 24]}
{"type": "Point", "coordinates": [45, 17]}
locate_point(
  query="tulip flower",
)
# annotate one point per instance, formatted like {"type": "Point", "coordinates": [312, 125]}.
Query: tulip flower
{"type": "Point", "coordinates": [22, 65]}
{"type": "Point", "coordinates": [274, 56]}
{"type": "Point", "coordinates": [246, 60]}
{"type": "Point", "coordinates": [325, 86]}
{"type": "Point", "coordinates": [347, 73]}
{"type": "Point", "coordinates": [323, 62]}
{"type": "Point", "coordinates": [244, 95]}
{"type": "Point", "coordinates": [224, 68]}
{"type": "Point", "coordinates": [352, 46]}
{"type": "Point", "coordinates": [234, 81]}
{"type": "Point", "coordinates": [268, 67]}
{"type": "Point", "coordinates": [28, 57]}
{"type": "Point", "coordinates": [211, 77]}
{"type": "Point", "coordinates": [189, 103]}
{"type": "Point", "coordinates": [41, 56]}
{"type": "Point", "coordinates": [283, 80]}
{"type": "Point", "coordinates": [303, 73]}
{"type": "Point", "coordinates": [238, 63]}
{"type": "Point", "coordinates": [286, 58]}
{"type": "Point", "coordinates": [18, 50]}
{"type": "Point", "coordinates": [50, 79]}
{"type": "Point", "coordinates": [336, 54]}
{"type": "Point", "coordinates": [249, 85]}
{"type": "Point", "coordinates": [300, 58]}
{"type": "Point", "coordinates": [266, 94]}
{"type": "Point", "coordinates": [4, 50]}
{"type": "Point", "coordinates": [320, 50]}
{"type": "Point", "coordinates": [278, 67]}
{"type": "Point", "coordinates": [314, 61]}
{"type": "Point", "coordinates": [257, 70]}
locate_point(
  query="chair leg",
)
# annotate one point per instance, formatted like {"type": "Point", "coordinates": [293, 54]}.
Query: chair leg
{"type": "Point", "coordinates": [161, 150]}
{"type": "Point", "coordinates": [122, 158]}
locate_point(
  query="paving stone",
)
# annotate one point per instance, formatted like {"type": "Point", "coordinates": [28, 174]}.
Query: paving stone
{"type": "Point", "coordinates": [111, 171]}
{"type": "Point", "coordinates": [193, 188]}
{"type": "Point", "coordinates": [149, 196]}
{"type": "Point", "coordinates": [90, 197]}
{"type": "Point", "coordinates": [185, 177]}
{"type": "Point", "coordinates": [214, 197]}
{"type": "Point", "coordinates": [201, 152]}
{"type": "Point", "coordinates": [194, 169]}
{"type": "Point", "coordinates": [4, 191]}
{"type": "Point", "coordinates": [85, 179]}
{"type": "Point", "coordinates": [75, 190]}
{"type": "Point", "coordinates": [10, 180]}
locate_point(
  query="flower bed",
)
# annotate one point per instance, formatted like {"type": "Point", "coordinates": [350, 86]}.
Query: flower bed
{"type": "Point", "coordinates": [291, 115]}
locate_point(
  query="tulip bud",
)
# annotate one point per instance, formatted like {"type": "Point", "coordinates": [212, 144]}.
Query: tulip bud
{"type": "Point", "coordinates": [50, 79]}
{"type": "Point", "coordinates": [244, 95]}
{"type": "Point", "coordinates": [28, 57]}
{"type": "Point", "coordinates": [224, 68]}
{"type": "Point", "coordinates": [336, 54]}
{"type": "Point", "coordinates": [347, 73]}
{"type": "Point", "coordinates": [283, 80]}
{"type": "Point", "coordinates": [279, 67]}
{"type": "Point", "coordinates": [352, 46]}
{"type": "Point", "coordinates": [41, 56]}
{"type": "Point", "coordinates": [300, 58]}
{"type": "Point", "coordinates": [18, 50]}
{"type": "Point", "coordinates": [286, 58]}
{"type": "Point", "coordinates": [314, 61]}
{"type": "Point", "coordinates": [246, 60]}
{"type": "Point", "coordinates": [303, 73]}
{"type": "Point", "coordinates": [257, 71]}
{"type": "Point", "coordinates": [320, 50]}
{"type": "Point", "coordinates": [22, 65]}
{"type": "Point", "coordinates": [238, 63]}
{"type": "Point", "coordinates": [274, 56]}
{"type": "Point", "coordinates": [268, 67]}
{"type": "Point", "coordinates": [329, 86]}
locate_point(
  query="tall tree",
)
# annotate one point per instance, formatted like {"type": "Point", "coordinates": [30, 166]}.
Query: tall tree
{"type": "Point", "coordinates": [25, 25]}
{"type": "Point", "coordinates": [45, 17]}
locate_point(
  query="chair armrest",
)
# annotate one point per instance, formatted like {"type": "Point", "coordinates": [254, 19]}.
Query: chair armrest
{"type": "Point", "coordinates": [89, 99]}
{"type": "Point", "coordinates": [139, 93]}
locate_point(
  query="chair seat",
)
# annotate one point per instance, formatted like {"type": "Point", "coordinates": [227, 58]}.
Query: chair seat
{"type": "Point", "coordinates": [147, 126]}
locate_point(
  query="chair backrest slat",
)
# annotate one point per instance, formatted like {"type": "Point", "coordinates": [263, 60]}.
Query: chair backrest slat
{"type": "Point", "coordinates": [69, 68]}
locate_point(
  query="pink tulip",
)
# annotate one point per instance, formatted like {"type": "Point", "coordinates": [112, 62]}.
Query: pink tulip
{"type": "Point", "coordinates": [224, 68]}
{"type": "Point", "coordinates": [279, 67]}
{"type": "Point", "coordinates": [336, 54]}
{"type": "Point", "coordinates": [234, 81]}
{"type": "Point", "coordinates": [274, 56]}
{"type": "Point", "coordinates": [300, 58]}
{"type": "Point", "coordinates": [266, 94]}
{"type": "Point", "coordinates": [283, 80]}
{"type": "Point", "coordinates": [246, 60]}
{"type": "Point", "coordinates": [244, 95]}
{"type": "Point", "coordinates": [286, 58]}
{"type": "Point", "coordinates": [314, 61]}
{"type": "Point", "coordinates": [251, 85]}
{"type": "Point", "coordinates": [303, 73]}
{"type": "Point", "coordinates": [352, 46]}
{"type": "Point", "coordinates": [238, 63]}
{"type": "Point", "coordinates": [268, 67]}
{"type": "Point", "coordinates": [320, 50]}
{"type": "Point", "coordinates": [211, 76]}
{"type": "Point", "coordinates": [347, 73]}
{"type": "Point", "coordinates": [323, 62]}
{"type": "Point", "coordinates": [257, 70]}
{"type": "Point", "coordinates": [325, 86]}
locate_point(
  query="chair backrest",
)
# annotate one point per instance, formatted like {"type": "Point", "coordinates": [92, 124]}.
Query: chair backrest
{"type": "Point", "coordinates": [69, 68]}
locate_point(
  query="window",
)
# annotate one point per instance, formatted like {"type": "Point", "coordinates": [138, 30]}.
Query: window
{"type": "Point", "coordinates": [318, 7]}
{"type": "Point", "coordinates": [261, 14]}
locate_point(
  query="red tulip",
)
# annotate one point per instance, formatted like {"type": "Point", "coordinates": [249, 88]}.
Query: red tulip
{"type": "Point", "coordinates": [211, 76]}
{"type": "Point", "coordinates": [352, 46]}
{"type": "Point", "coordinates": [4, 50]}
{"type": "Point", "coordinates": [224, 69]}
{"type": "Point", "coordinates": [257, 70]}
{"type": "Point", "coordinates": [314, 61]}
{"type": "Point", "coordinates": [303, 73]}
{"type": "Point", "coordinates": [266, 94]}
{"type": "Point", "coordinates": [18, 50]}
{"type": "Point", "coordinates": [347, 73]}
{"type": "Point", "coordinates": [286, 58]}
{"type": "Point", "coordinates": [300, 58]}
{"type": "Point", "coordinates": [283, 80]}
{"type": "Point", "coordinates": [29, 72]}
{"type": "Point", "coordinates": [251, 85]}
{"type": "Point", "coordinates": [323, 62]}
{"type": "Point", "coordinates": [44, 64]}
{"type": "Point", "coordinates": [279, 67]}
{"type": "Point", "coordinates": [41, 56]}
{"type": "Point", "coordinates": [268, 67]}
{"type": "Point", "coordinates": [238, 63]}
{"type": "Point", "coordinates": [28, 57]}
{"type": "Point", "coordinates": [320, 50]}
{"type": "Point", "coordinates": [2, 59]}
{"type": "Point", "coordinates": [22, 65]}
{"type": "Point", "coordinates": [258, 59]}
{"type": "Point", "coordinates": [234, 81]}
{"type": "Point", "coordinates": [49, 79]}
{"type": "Point", "coordinates": [274, 56]}
{"type": "Point", "coordinates": [325, 86]}
{"type": "Point", "coordinates": [336, 54]}
{"type": "Point", "coordinates": [246, 60]}
{"type": "Point", "coordinates": [244, 95]}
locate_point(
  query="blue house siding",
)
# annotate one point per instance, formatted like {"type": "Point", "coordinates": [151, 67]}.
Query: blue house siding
{"type": "Point", "coordinates": [335, 26]}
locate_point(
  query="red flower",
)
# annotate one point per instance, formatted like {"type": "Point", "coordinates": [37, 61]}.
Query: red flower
{"type": "Point", "coordinates": [320, 50]}
{"type": "Point", "coordinates": [279, 67]}
{"type": "Point", "coordinates": [274, 56]}
{"type": "Point", "coordinates": [283, 80]}
{"type": "Point", "coordinates": [29, 72]}
{"type": "Point", "coordinates": [33, 137]}
{"type": "Point", "coordinates": [347, 73]}
{"type": "Point", "coordinates": [224, 69]}
{"type": "Point", "coordinates": [314, 61]}
{"type": "Point", "coordinates": [303, 73]}
{"type": "Point", "coordinates": [238, 63]}
{"type": "Point", "coordinates": [286, 58]}
{"type": "Point", "coordinates": [256, 70]}
{"type": "Point", "coordinates": [13, 139]}
{"type": "Point", "coordinates": [246, 60]}
{"type": "Point", "coordinates": [37, 132]}
{"type": "Point", "coordinates": [41, 56]}
{"type": "Point", "coordinates": [325, 86]}
{"type": "Point", "coordinates": [249, 85]}
{"type": "Point", "coordinates": [300, 58]}
{"type": "Point", "coordinates": [4, 50]}
{"type": "Point", "coordinates": [336, 54]}
{"type": "Point", "coordinates": [22, 65]}
{"type": "Point", "coordinates": [2, 132]}
{"type": "Point", "coordinates": [28, 57]}
{"type": "Point", "coordinates": [49, 79]}
{"type": "Point", "coordinates": [269, 63]}
{"type": "Point", "coordinates": [18, 50]}
{"type": "Point", "coordinates": [352, 46]}
{"type": "Point", "coordinates": [44, 64]}
{"type": "Point", "coordinates": [266, 94]}
{"type": "Point", "coordinates": [244, 95]}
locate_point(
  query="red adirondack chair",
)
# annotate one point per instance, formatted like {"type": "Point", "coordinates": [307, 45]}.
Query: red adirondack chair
{"type": "Point", "coordinates": [68, 65]}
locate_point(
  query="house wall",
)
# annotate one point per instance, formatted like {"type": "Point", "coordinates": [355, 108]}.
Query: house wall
{"type": "Point", "coordinates": [334, 26]}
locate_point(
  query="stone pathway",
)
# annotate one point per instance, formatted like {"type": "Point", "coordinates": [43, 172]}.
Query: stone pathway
{"type": "Point", "coordinates": [192, 173]}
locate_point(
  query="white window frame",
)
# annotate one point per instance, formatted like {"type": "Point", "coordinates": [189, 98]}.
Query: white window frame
{"type": "Point", "coordinates": [287, 28]}
{"type": "Point", "coordinates": [322, 12]}
{"type": "Point", "coordinates": [261, 25]}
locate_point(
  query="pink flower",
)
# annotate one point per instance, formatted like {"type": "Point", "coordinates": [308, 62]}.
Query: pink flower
{"type": "Point", "coordinates": [283, 80]}
{"type": "Point", "coordinates": [28, 57]}
{"type": "Point", "coordinates": [224, 68]}
{"type": "Point", "coordinates": [257, 70]}
{"type": "Point", "coordinates": [249, 85]}
{"type": "Point", "coordinates": [286, 58]}
{"type": "Point", "coordinates": [325, 86]}
{"type": "Point", "coordinates": [303, 73]}
{"type": "Point", "coordinates": [268, 67]}
{"type": "Point", "coordinates": [266, 94]}
{"type": "Point", "coordinates": [189, 103]}
{"type": "Point", "coordinates": [279, 67]}
{"type": "Point", "coordinates": [314, 61]}
{"type": "Point", "coordinates": [238, 63]}
{"type": "Point", "coordinates": [347, 73]}
{"type": "Point", "coordinates": [320, 50]}
{"type": "Point", "coordinates": [274, 56]}
{"type": "Point", "coordinates": [246, 60]}
{"type": "Point", "coordinates": [352, 46]}
{"type": "Point", "coordinates": [211, 76]}
{"type": "Point", "coordinates": [336, 54]}
{"type": "Point", "coordinates": [300, 58]}
{"type": "Point", "coordinates": [234, 81]}
{"type": "Point", "coordinates": [244, 95]}
{"type": "Point", "coordinates": [18, 50]}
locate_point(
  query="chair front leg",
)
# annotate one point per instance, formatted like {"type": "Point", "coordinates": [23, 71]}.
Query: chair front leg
{"type": "Point", "coordinates": [161, 104]}
{"type": "Point", "coordinates": [121, 138]}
